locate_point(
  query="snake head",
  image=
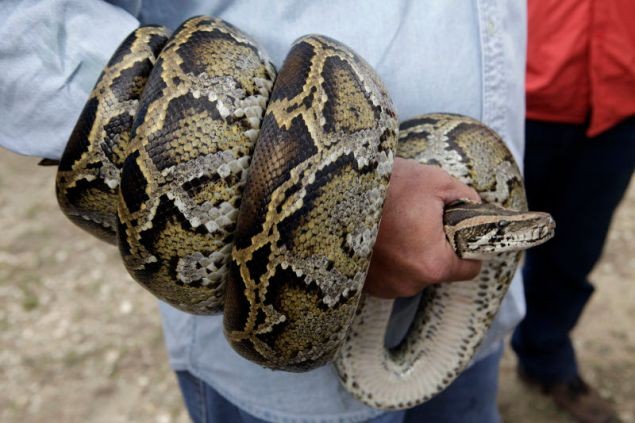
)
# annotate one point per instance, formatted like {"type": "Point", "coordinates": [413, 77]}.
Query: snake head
{"type": "Point", "coordinates": [479, 231]}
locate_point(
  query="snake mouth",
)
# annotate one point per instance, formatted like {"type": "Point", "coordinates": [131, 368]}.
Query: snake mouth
{"type": "Point", "coordinates": [546, 233]}
{"type": "Point", "coordinates": [527, 230]}
{"type": "Point", "coordinates": [532, 237]}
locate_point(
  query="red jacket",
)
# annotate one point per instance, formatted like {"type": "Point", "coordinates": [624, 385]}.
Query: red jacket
{"type": "Point", "coordinates": [581, 62]}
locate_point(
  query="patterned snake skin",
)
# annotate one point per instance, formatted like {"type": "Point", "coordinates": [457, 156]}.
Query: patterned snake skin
{"type": "Point", "coordinates": [452, 318]}
{"type": "Point", "coordinates": [278, 233]}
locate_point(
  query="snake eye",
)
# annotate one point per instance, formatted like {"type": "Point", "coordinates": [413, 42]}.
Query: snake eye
{"type": "Point", "coordinates": [502, 223]}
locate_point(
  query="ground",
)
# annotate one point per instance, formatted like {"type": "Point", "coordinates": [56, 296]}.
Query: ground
{"type": "Point", "coordinates": [79, 341]}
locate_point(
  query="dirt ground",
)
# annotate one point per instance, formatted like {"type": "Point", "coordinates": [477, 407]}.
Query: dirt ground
{"type": "Point", "coordinates": [79, 341]}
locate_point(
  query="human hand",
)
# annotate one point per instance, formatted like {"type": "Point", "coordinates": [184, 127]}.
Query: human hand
{"type": "Point", "coordinates": [411, 251]}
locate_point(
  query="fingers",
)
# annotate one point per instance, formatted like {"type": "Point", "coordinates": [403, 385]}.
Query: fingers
{"type": "Point", "coordinates": [393, 279]}
{"type": "Point", "coordinates": [412, 251]}
{"type": "Point", "coordinates": [460, 269]}
{"type": "Point", "coordinates": [457, 269]}
{"type": "Point", "coordinates": [451, 189]}
{"type": "Point", "coordinates": [443, 265]}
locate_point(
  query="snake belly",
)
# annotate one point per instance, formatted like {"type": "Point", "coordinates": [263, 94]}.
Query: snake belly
{"type": "Point", "coordinates": [279, 232]}
{"type": "Point", "coordinates": [452, 318]}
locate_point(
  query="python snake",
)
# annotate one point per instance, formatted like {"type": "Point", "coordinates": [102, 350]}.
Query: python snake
{"type": "Point", "coordinates": [230, 188]}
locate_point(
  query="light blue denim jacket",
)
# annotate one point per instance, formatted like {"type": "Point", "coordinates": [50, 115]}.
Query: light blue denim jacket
{"type": "Point", "coordinates": [461, 56]}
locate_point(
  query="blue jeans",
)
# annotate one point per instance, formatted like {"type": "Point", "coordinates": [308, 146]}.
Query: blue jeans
{"type": "Point", "coordinates": [470, 398]}
{"type": "Point", "coordinates": [580, 181]}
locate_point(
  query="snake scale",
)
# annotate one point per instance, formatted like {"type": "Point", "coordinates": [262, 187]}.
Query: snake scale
{"type": "Point", "coordinates": [230, 188]}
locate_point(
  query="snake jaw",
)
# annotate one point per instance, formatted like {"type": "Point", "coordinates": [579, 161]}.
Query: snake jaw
{"type": "Point", "coordinates": [480, 238]}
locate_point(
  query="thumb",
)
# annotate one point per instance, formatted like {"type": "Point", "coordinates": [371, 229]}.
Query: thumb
{"type": "Point", "coordinates": [454, 190]}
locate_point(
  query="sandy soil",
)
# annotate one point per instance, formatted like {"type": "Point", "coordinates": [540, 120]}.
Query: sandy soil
{"type": "Point", "coordinates": [80, 342]}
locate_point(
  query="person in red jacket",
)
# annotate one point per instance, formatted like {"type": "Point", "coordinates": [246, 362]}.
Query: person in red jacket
{"type": "Point", "coordinates": [579, 158]}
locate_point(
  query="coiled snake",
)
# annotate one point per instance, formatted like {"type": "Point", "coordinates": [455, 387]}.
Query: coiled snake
{"type": "Point", "coordinates": [278, 233]}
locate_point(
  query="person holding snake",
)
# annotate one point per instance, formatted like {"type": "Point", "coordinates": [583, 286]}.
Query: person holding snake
{"type": "Point", "coordinates": [326, 121]}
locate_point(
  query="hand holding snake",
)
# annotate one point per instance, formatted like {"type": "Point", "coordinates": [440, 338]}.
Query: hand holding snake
{"type": "Point", "coordinates": [411, 251]}
{"type": "Point", "coordinates": [227, 191]}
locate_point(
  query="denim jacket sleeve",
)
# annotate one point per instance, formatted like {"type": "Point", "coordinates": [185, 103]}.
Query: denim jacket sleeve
{"type": "Point", "coordinates": [51, 53]}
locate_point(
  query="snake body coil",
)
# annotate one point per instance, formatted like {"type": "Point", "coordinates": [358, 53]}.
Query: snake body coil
{"type": "Point", "coordinates": [279, 232]}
